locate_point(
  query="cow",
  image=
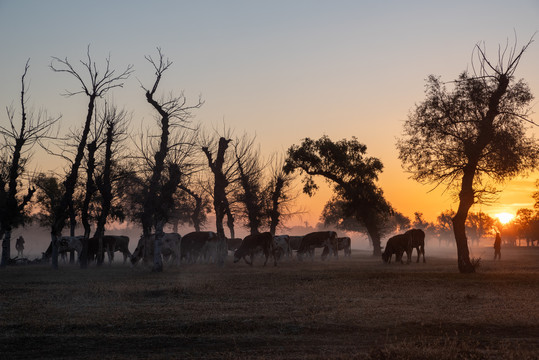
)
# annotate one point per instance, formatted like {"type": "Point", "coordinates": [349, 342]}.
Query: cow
{"type": "Point", "coordinates": [200, 244]}
{"type": "Point", "coordinates": [69, 244]}
{"type": "Point", "coordinates": [251, 244]}
{"type": "Point", "coordinates": [397, 245]}
{"type": "Point", "coordinates": [111, 244]}
{"type": "Point", "coordinates": [65, 244]}
{"type": "Point", "coordinates": [417, 242]}
{"type": "Point", "coordinates": [343, 243]}
{"type": "Point", "coordinates": [170, 248]}
{"type": "Point", "coordinates": [281, 245]}
{"type": "Point", "coordinates": [233, 244]}
{"type": "Point", "coordinates": [295, 242]}
{"type": "Point", "coordinates": [318, 239]}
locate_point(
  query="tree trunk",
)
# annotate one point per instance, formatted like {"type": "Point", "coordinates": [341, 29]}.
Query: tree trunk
{"type": "Point", "coordinates": [54, 250]}
{"type": "Point", "coordinates": [466, 198]}
{"type": "Point", "coordinates": [6, 248]}
{"type": "Point", "coordinates": [157, 259]}
{"type": "Point", "coordinates": [374, 234]}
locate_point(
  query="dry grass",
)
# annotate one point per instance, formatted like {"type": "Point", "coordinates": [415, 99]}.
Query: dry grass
{"type": "Point", "coordinates": [351, 308]}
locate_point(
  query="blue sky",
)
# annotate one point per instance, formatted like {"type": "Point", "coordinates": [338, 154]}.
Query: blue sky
{"type": "Point", "coordinates": [283, 70]}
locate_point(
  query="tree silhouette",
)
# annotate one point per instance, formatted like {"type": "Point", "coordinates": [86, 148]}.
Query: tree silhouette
{"type": "Point", "coordinates": [220, 201]}
{"type": "Point", "coordinates": [17, 142]}
{"type": "Point", "coordinates": [472, 136]}
{"type": "Point", "coordinates": [344, 164]}
{"type": "Point", "coordinates": [95, 87]}
{"type": "Point", "coordinates": [165, 176]}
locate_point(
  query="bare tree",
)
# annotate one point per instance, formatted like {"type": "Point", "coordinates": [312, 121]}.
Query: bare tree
{"type": "Point", "coordinates": [95, 87]}
{"type": "Point", "coordinates": [158, 197]}
{"type": "Point", "coordinates": [472, 137]}
{"type": "Point", "coordinates": [15, 152]}
{"type": "Point", "coordinates": [220, 201]}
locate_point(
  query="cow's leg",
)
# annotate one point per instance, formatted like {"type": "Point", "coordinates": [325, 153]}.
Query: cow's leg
{"type": "Point", "coordinates": [249, 263]}
{"type": "Point", "coordinates": [325, 252]}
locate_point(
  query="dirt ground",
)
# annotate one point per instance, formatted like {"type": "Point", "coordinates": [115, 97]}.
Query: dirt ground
{"type": "Point", "coordinates": [350, 308]}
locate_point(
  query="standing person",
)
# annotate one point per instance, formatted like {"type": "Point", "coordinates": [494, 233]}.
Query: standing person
{"type": "Point", "coordinates": [19, 245]}
{"type": "Point", "coordinates": [497, 246]}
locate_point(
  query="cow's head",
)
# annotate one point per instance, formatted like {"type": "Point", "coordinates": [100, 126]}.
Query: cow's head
{"type": "Point", "coordinates": [238, 254]}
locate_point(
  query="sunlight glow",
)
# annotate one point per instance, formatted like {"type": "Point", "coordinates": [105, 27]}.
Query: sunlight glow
{"type": "Point", "coordinates": [505, 217]}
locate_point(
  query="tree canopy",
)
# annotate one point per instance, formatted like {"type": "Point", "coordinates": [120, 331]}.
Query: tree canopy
{"type": "Point", "coordinates": [344, 164]}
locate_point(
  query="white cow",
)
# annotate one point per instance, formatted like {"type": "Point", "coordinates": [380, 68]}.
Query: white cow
{"type": "Point", "coordinates": [170, 248]}
{"type": "Point", "coordinates": [281, 245]}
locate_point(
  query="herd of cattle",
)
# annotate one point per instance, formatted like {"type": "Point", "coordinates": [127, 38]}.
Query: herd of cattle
{"type": "Point", "coordinates": [206, 247]}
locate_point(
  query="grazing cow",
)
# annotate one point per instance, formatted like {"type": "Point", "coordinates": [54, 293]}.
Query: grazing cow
{"type": "Point", "coordinates": [295, 242]}
{"type": "Point", "coordinates": [233, 244]}
{"type": "Point", "coordinates": [254, 243]}
{"type": "Point", "coordinates": [343, 243]}
{"type": "Point", "coordinates": [111, 244]}
{"type": "Point", "coordinates": [281, 244]}
{"type": "Point", "coordinates": [318, 239]}
{"type": "Point", "coordinates": [170, 248]}
{"type": "Point", "coordinates": [200, 244]}
{"type": "Point", "coordinates": [397, 245]}
{"type": "Point", "coordinates": [70, 243]}
{"type": "Point", "coordinates": [417, 242]}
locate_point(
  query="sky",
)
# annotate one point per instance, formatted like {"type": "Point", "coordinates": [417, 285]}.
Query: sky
{"type": "Point", "coordinates": [280, 70]}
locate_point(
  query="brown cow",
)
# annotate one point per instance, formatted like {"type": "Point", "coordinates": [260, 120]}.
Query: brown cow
{"type": "Point", "coordinates": [318, 239]}
{"type": "Point", "coordinates": [254, 243]}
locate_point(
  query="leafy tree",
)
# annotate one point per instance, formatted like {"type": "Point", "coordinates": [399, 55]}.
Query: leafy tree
{"type": "Point", "coordinates": [478, 225]}
{"type": "Point", "coordinates": [353, 175]}
{"type": "Point", "coordinates": [334, 214]}
{"type": "Point", "coordinates": [249, 177]}
{"type": "Point", "coordinates": [278, 196]}
{"type": "Point", "coordinates": [471, 136]}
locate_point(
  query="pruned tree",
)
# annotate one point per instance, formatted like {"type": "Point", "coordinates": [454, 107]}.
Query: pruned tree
{"type": "Point", "coordinates": [352, 174]}
{"type": "Point", "coordinates": [158, 202]}
{"type": "Point", "coordinates": [220, 182]}
{"type": "Point", "coordinates": [95, 86]}
{"type": "Point", "coordinates": [472, 136]}
{"type": "Point", "coordinates": [249, 176]}
{"type": "Point", "coordinates": [18, 140]}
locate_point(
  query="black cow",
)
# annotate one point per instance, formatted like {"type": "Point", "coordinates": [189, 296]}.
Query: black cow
{"type": "Point", "coordinates": [251, 244]}
{"type": "Point", "coordinates": [417, 242]}
{"type": "Point", "coordinates": [398, 245]}
{"type": "Point", "coordinates": [200, 244]}
{"type": "Point", "coordinates": [318, 239]}
{"type": "Point", "coordinates": [111, 244]}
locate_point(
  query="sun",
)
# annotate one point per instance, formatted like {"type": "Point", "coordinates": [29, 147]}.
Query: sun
{"type": "Point", "coordinates": [504, 217]}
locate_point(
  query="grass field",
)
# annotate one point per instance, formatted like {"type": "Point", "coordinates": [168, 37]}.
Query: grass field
{"type": "Point", "coordinates": [350, 308]}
